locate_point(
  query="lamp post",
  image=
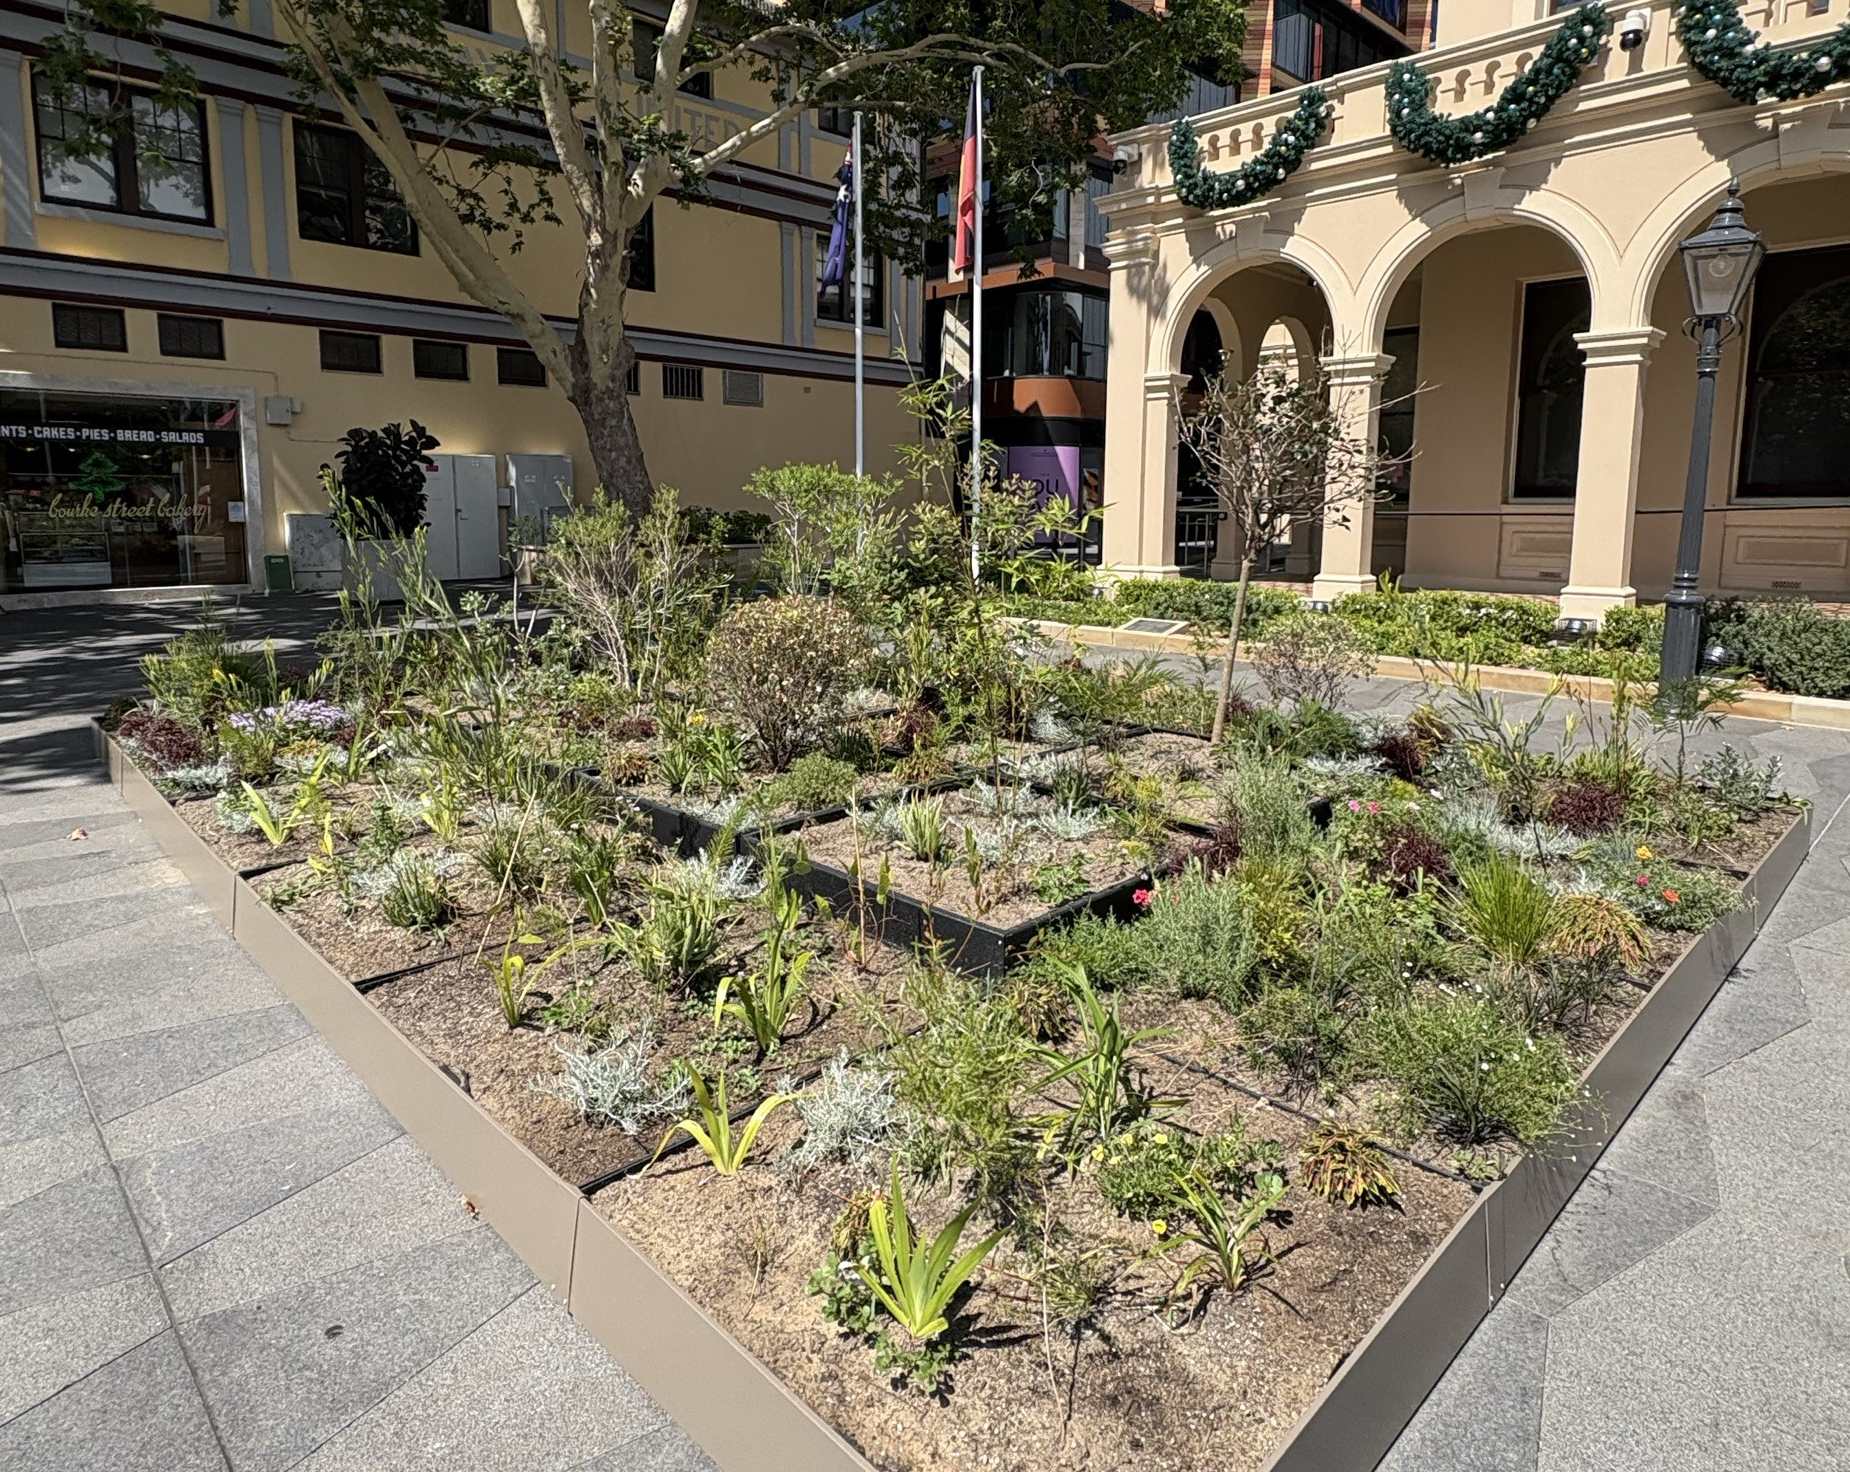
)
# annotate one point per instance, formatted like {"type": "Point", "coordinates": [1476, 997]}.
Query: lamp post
{"type": "Point", "coordinates": [1719, 264]}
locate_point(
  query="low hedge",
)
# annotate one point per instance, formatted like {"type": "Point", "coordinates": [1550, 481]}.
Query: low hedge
{"type": "Point", "coordinates": [1789, 643]}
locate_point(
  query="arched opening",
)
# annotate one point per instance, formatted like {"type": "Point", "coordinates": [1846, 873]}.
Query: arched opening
{"type": "Point", "coordinates": [1778, 502]}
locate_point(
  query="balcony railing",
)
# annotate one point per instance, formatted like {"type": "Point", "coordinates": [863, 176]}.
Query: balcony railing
{"type": "Point", "coordinates": [1469, 76]}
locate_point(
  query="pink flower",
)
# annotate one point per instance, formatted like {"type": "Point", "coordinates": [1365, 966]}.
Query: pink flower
{"type": "Point", "coordinates": [1643, 879]}
{"type": "Point", "coordinates": [1374, 807]}
{"type": "Point", "coordinates": [1140, 897]}
{"type": "Point", "coordinates": [1354, 806]}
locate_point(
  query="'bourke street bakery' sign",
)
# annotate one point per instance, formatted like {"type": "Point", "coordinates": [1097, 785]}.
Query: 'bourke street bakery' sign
{"type": "Point", "coordinates": [110, 434]}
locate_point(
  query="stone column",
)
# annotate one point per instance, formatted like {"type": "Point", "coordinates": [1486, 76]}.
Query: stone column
{"type": "Point", "coordinates": [1349, 526]}
{"type": "Point", "coordinates": [1599, 571]}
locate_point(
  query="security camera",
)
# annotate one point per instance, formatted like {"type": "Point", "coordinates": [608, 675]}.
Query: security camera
{"type": "Point", "coordinates": [1633, 29]}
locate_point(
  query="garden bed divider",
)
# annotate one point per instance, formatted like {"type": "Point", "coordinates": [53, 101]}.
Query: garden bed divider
{"type": "Point", "coordinates": [739, 1411]}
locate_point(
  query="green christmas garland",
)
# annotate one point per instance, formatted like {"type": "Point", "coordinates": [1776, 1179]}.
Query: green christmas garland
{"type": "Point", "coordinates": [1258, 176]}
{"type": "Point", "coordinates": [1553, 73]}
{"type": "Point", "coordinates": [1724, 50]}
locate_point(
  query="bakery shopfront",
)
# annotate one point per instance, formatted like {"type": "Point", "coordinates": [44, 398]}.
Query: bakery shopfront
{"type": "Point", "coordinates": [124, 489]}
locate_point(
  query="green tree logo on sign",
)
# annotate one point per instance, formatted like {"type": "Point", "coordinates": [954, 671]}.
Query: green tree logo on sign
{"type": "Point", "coordinates": [98, 478]}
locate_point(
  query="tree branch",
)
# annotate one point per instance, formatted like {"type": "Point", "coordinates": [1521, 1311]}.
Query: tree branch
{"type": "Point", "coordinates": [562, 122]}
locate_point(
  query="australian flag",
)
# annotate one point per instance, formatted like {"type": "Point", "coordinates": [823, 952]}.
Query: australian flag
{"type": "Point", "coordinates": [835, 261]}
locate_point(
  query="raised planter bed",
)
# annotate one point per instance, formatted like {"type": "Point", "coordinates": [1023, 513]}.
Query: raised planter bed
{"type": "Point", "coordinates": [751, 1421]}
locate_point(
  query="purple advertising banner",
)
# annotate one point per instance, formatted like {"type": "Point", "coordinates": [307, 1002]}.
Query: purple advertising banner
{"type": "Point", "coordinates": [1053, 471]}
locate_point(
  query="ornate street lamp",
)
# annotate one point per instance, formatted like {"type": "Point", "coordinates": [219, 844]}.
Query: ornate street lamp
{"type": "Point", "coordinates": [1720, 264]}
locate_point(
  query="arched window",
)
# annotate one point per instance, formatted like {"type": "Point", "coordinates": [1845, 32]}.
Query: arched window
{"type": "Point", "coordinates": [1797, 440]}
{"type": "Point", "coordinates": [1552, 379]}
{"type": "Point", "coordinates": [1202, 351]}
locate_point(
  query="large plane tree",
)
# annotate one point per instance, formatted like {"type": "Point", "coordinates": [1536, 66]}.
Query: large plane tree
{"type": "Point", "coordinates": [488, 144]}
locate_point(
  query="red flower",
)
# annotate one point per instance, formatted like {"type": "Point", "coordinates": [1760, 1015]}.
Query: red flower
{"type": "Point", "coordinates": [1140, 897]}
{"type": "Point", "coordinates": [1643, 879]}
{"type": "Point", "coordinates": [1671, 896]}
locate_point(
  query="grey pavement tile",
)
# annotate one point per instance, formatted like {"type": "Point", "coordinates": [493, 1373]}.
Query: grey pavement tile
{"type": "Point", "coordinates": [284, 1374]}
{"type": "Point", "coordinates": [123, 1074]}
{"type": "Point", "coordinates": [1485, 1415]}
{"type": "Point", "coordinates": [298, 1077]}
{"type": "Point", "coordinates": [527, 1392]}
{"type": "Point", "coordinates": [74, 1235]}
{"type": "Point", "coordinates": [26, 1042]}
{"type": "Point", "coordinates": [65, 802]}
{"type": "Point", "coordinates": [109, 822]}
{"type": "Point", "coordinates": [87, 878]}
{"type": "Point", "coordinates": [386, 1202]}
{"type": "Point", "coordinates": [190, 1193]}
{"type": "Point", "coordinates": [138, 1413]}
{"type": "Point", "coordinates": [669, 1449]}
{"type": "Point", "coordinates": [51, 1345]}
{"type": "Point", "coordinates": [42, 1097]}
{"type": "Point", "coordinates": [30, 1166]}
{"type": "Point", "coordinates": [1825, 977]}
{"type": "Point", "coordinates": [60, 928]}
{"type": "Point", "coordinates": [145, 992]}
{"type": "Point", "coordinates": [1612, 1222]}
{"type": "Point", "coordinates": [1763, 1000]}
{"type": "Point", "coordinates": [1666, 1139]}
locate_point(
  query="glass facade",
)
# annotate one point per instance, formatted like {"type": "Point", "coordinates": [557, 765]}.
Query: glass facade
{"type": "Point", "coordinates": [1044, 333]}
{"type": "Point", "coordinates": [102, 491]}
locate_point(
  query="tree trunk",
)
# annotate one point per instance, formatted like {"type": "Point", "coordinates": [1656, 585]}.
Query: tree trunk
{"type": "Point", "coordinates": [603, 403]}
{"type": "Point", "coordinates": [1233, 648]}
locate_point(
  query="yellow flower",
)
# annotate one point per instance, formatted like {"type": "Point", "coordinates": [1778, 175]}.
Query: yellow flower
{"type": "Point", "coordinates": [1644, 854]}
{"type": "Point", "coordinates": [1125, 1138]}
{"type": "Point", "coordinates": [1098, 1152]}
{"type": "Point", "coordinates": [697, 719]}
{"type": "Point", "coordinates": [1162, 1139]}
{"type": "Point", "coordinates": [1159, 1226]}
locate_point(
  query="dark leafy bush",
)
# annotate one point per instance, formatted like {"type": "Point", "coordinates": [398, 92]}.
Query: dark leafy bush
{"type": "Point", "coordinates": [1586, 806]}
{"type": "Point", "coordinates": [1209, 604]}
{"type": "Point", "coordinates": [1404, 753]}
{"type": "Point", "coordinates": [382, 475]}
{"type": "Point", "coordinates": [781, 669]}
{"type": "Point", "coordinates": [1407, 853]}
{"type": "Point", "coordinates": [1216, 854]}
{"type": "Point", "coordinates": [163, 740]}
{"type": "Point", "coordinates": [1790, 643]}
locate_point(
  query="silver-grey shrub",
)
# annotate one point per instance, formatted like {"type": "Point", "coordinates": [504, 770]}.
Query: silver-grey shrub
{"type": "Point", "coordinates": [850, 1118]}
{"type": "Point", "coordinates": [611, 1085]}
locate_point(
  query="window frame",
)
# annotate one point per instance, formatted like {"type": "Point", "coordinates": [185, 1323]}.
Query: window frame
{"type": "Point", "coordinates": [511, 353]}
{"type": "Point", "coordinates": [873, 307]}
{"type": "Point", "coordinates": [162, 321]}
{"type": "Point", "coordinates": [376, 339]}
{"type": "Point", "coordinates": [699, 380]}
{"type": "Point", "coordinates": [487, 9]}
{"type": "Point", "coordinates": [62, 312]}
{"type": "Point", "coordinates": [1763, 319]}
{"type": "Point", "coordinates": [355, 195]}
{"type": "Point", "coordinates": [1516, 493]}
{"type": "Point", "coordinates": [701, 86]}
{"type": "Point", "coordinates": [123, 163]}
{"type": "Point", "coordinates": [421, 345]}
{"type": "Point", "coordinates": [641, 264]}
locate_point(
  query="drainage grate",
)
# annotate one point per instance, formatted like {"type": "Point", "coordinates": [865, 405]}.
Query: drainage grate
{"type": "Point", "coordinates": [1155, 626]}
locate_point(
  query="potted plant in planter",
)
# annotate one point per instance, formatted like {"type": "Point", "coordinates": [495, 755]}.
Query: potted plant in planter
{"type": "Point", "coordinates": [526, 545]}
{"type": "Point", "coordinates": [378, 497]}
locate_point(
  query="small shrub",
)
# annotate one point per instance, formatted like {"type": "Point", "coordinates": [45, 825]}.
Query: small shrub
{"type": "Point", "coordinates": [382, 477]}
{"type": "Point", "coordinates": [1670, 897]}
{"type": "Point", "coordinates": [1314, 657]}
{"type": "Point", "coordinates": [1461, 1067]}
{"type": "Point", "coordinates": [850, 1118]}
{"type": "Point", "coordinates": [1199, 938]}
{"type": "Point", "coordinates": [1408, 853]}
{"type": "Point", "coordinates": [163, 740]}
{"type": "Point", "coordinates": [1056, 883]}
{"type": "Point", "coordinates": [1738, 781]}
{"type": "Point", "coordinates": [1403, 752]}
{"type": "Point", "coordinates": [1594, 929]}
{"type": "Point", "coordinates": [814, 782]}
{"type": "Point", "coordinates": [1274, 819]}
{"type": "Point", "coordinates": [1586, 806]}
{"type": "Point", "coordinates": [415, 896]}
{"type": "Point", "coordinates": [1792, 644]}
{"type": "Point", "coordinates": [1504, 908]}
{"type": "Point", "coordinates": [1138, 1169]}
{"type": "Point", "coordinates": [782, 669]}
{"type": "Point", "coordinates": [611, 1085]}
{"type": "Point", "coordinates": [1300, 1030]}
{"type": "Point", "coordinates": [1347, 1167]}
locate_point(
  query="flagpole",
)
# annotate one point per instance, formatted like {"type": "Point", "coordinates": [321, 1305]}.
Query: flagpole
{"type": "Point", "coordinates": [976, 349]}
{"type": "Point", "coordinates": [860, 318]}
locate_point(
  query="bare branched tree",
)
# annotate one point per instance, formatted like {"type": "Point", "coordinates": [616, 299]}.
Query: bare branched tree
{"type": "Point", "coordinates": [1275, 452]}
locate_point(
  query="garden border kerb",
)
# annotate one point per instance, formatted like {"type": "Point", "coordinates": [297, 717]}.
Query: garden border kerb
{"type": "Point", "coordinates": [740, 1412]}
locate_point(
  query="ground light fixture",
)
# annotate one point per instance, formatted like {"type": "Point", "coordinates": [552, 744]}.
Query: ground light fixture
{"type": "Point", "coordinates": [1719, 265]}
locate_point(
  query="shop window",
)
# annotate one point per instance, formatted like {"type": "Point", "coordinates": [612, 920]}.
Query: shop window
{"type": "Point", "coordinates": [470, 14]}
{"type": "Point", "coordinates": [1797, 435]}
{"type": "Point", "coordinates": [433, 358]}
{"type": "Point", "coordinates": [642, 253]}
{"type": "Point", "coordinates": [1551, 378]}
{"type": "Point", "coordinates": [744, 389]}
{"type": "Point", "coordinates": [89, 329]}
{"type": "Point", "coordinates": [520, 368]}
{"type": "Point", "coordinates": [345, 196]}
{"type": "Point", "coordinates": [150, 159]}
{"type": "Point", "coordinates": [115, 490]}
{"type": "Point", "coordinates": [191, 337]}
{"type": "Point", "coordinates": [350, 352]}
{"type": "Point", "coordinates": [832, 301]}
{"type": "Point", "coordinates": [683, 381]}
{"type": "Point", "coordinates": [645, 37]}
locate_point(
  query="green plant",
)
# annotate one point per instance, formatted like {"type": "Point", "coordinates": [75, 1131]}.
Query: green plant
{"type": "Point", "coordinates": [712, 1130]}
{"type": "Point", "coordinates": [766, 996]}
{"type": "Point", "coordinates": [782, 669]}
{"type": "Point", "coordinates": [1057, 882]}
{"type": "Point", "coordinates": [1745, 786]}
{"type": "Point", "coordinates": [679, 935]}
{"type": "Point", "coordinates": [512, 984]}
{"type": "Point", "coordinates": [414, 896]}
{"type": "Point", "coordinates": [1790, 643]}
{"type": "Point", "coordinates": [1199, 938]}
{"type": "Point", "coordinates": [1104, 1074]}
{"type": "Point", "coordinates": [1139, 1168]}
{"type": "Point", "coordinates": [1460, 1066]}
{"type": "Point", "coordinates": [1597, 930]}
{"type": "Point", "coordinates": [1314, 657]}
{"type": "Point", "coordinates": [813, 783]}
{"type": "Point", "coordinates": [916, 1283]}
{"type": "Point", "coordinates": [382, 477]}
{"type": "Point", "coordinates": [1228, 1235]}
{"type": "Point", "coordinates": [1673, 897]}
{"type": "Point", "coordinates": [922, 828]}
{"type": "Point", "coordinates": [280, 824]}
{"type": "Point", "coordinates": [1347, 1167]}
{"type": "Point", "coordinates": [1504, 908]}
{"type": "Point", "coordinates": [442, 806]}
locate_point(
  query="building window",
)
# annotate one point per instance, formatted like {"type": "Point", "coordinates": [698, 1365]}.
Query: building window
{"type": "Point", "coordinates": [642, 253]}
{"type": "Point", "coordinates": [1551, 376]}
{"type": "Point", "coordinates": [434, 358]}
{"type": "Point", "coordinates": [1046, 333]}
{"type": "Point", "coordinates": [832, 301]}
{"type": "Point", "coordinates": [836, 120]}
{"type": "Point", "coordinates": [745, 389]}
{"type": "Point", "coordinates": [191, 337]}
{"type": "Point", "coordinates": [154, 162]}
{"type": "Point", "coordinates": [632, 380]}
{"type": "Point", "coordinates": [1797, 435]}
{"type": "Point", "coordinates": [520, 367]}
{"type": "Point", "coordinates": [344, 195]}
{"type": "Point", "coordinates": [645, 37]}
{"type": "Point", "coordinates": [683, 381]}
{"type": "Point", "coordinates": [350, 352]}
{"type": "Point", "coordinates": [1203, 353]}
{"type": "Point", "coordinates": [1313, 40]}
{"type": "Point", "coordinates": [1399, 399]}
{"type": "Point", "coordinates": [89, 329]}
{"type": "Point", "coordinates": [1394, 12]}
{"type": "Point", "coordinates": [471, 15]}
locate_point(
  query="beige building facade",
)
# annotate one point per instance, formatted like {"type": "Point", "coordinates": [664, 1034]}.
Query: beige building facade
{"type": "Point", "coordinates": [179, 354]}
{"type": "Point", "coordinates": [1520, 317]}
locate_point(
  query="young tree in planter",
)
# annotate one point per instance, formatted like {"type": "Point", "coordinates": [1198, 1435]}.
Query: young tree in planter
{"type": "Point", "coordinates": [1273, 449]}
{"type": "Point", "coordinates": [543, 137]}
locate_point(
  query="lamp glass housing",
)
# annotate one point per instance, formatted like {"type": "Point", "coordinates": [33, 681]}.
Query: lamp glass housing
{"type": "Point", "coordinates": [1720, 263]}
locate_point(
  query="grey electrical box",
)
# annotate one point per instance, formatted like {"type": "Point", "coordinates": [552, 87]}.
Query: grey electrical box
{"type": "Point", "coordinates": [541, 485]}
{"type": "Point", "coordinates": [280, 408]}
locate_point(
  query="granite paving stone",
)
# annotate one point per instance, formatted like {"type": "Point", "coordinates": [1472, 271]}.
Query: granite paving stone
{"type": "Point", "coordinates": [40, 1097]}
{"type": "Point", "coordinates": [74, 1235]}
{"type": "Point", "coordinates": [122, 1075]}
{"type": "Point", "coordinates": [667, 1449]}
{"type": "Point", "coordinates": [30, 1166]}
{"type": "Point", "coordinates": [1487, 1412]}
{"type": "Point", "coordinates": [53, 1344]}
